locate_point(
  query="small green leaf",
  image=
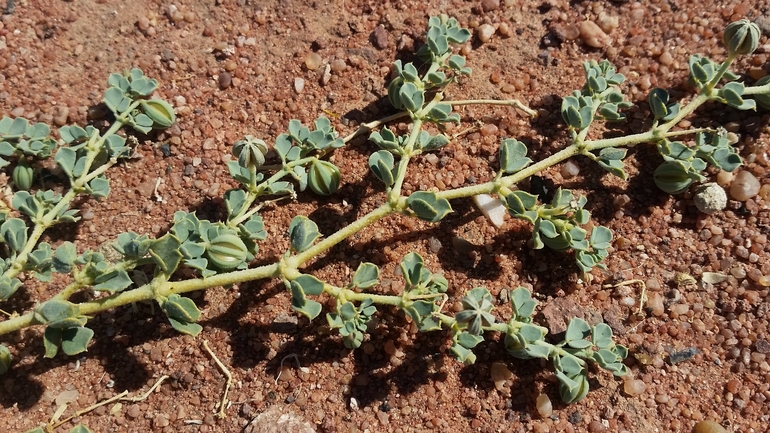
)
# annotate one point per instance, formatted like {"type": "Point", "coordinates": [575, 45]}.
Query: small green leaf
{"type": "Point", "coordinates": [518, 202]}
{"type": "Point", "coordinates": [186, 327]}
{"type": "Point", "coordinates": [181, 308]}
{"type": "Point", "coordinates": [412, 266]}
{"type": "Point", "coordinates": [367, 275]}
{"type": "Point", "coordinates": [8, 286]}
{"type": "Point", "coordinates": [428, 207]}
{"type": "Point", "coordinates": [572, 389]}
{"type": "Point", "coordinates": [75, 340]}
{"type": "Point", "coordinates": [381, 163]}
{"type": "Point", "coordinates": [99, 187]}
{"type": "Point", "coordinates": [51, 341]}
{"type": "Point", "coordinates": [165, 253]}
{"type": "Point", "coordinates": [302, 233]}
{"type": "Point", "coordinates": [513, 156]}
{"type": "Point", "coordinates": [112, 282]}
{"type": "Point", "coordinates": [80, 428]}
{"type": "Point", "coordinates": [301, 304]}
{"type": "Point", "coordinates": [522, 303]}
{"type": "Point", "coordinates": [309, 284]}
{"type": "Point", "coordinates": [14, 233]}
{"type": "Point", "coordinates": [577, 331]}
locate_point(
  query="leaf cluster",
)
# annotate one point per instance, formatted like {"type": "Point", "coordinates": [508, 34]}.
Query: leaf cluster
{"type": "Point", "coordinates": [128, 97]}
{"type": "Point", "coordinates": [557, 225]}
{"type": "Point", "coordinates": [682, 165]}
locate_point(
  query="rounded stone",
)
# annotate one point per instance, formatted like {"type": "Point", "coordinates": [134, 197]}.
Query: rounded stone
{"type": "Point", "coordinates": [744, 186]}
{"type": "Point", "coordinates": [710, 198]}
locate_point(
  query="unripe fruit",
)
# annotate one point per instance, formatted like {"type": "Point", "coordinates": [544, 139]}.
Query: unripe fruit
{"type": "Point", "coordinates": [160, 112]}
{"type": "Point", "coordinates": [226, 252]}
{"type": "Point", "coordinates": [23, 175]}
{"type": "Point", "coordinates": [323, 177]}
{"type": "Point", "coordinates": [250, 152]}
{"type": "Point", "coordinates": [741, 37]}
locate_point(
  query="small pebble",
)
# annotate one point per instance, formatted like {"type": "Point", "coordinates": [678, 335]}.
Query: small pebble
{"type": "Point", "coordinates": [338, 65]}
{"type": "Point", "coordinates": [379, 37]}
{"type": "Point", "coordinates": [485, 32]}
{"type": "Point", "coordinates": [710, 198]}
{"type": "Point", "coordinates": [634, 387]}
{"type": "Point", "coordinates": [313, 61]}
{"type": "Point", "coordinates": [708, 426]}
{"type": "Point", "coordinates": [225, 80]}
{"type": "Point", "coordinates": [593, 35]}
{"type": "Point", "coordinates": [744, 186]}
{"type": "Point", "coordinates": [299, 85]}
{"type": "Point", "coordinates": [544, 406]}
{"type": "Point", "coordinates": [500, 373]}
{"type": "Point", "coordinates": [490, 5]}
{"type": "Point", "coordinates": [569, 170]}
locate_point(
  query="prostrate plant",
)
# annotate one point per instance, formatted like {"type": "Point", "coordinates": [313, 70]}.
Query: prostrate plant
{"type": "Point", "coordinates": [221, 251]}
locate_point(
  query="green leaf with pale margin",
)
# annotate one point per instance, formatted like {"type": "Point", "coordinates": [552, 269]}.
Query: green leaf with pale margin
{"type": "Point", "coordinates": [577, 331]}
{"type": "Point", "coordinates": [367, 275]}
{"type": "Point", "coordinates": [75, 340]}
{"type": "Point", "coordinates": [113, 282]}
{"type": "Point", "coordinates": [80, 428]}
{"type": "Point", "coordinates": [523, 304]}
{"type": "Point", "coordinates": [51, 341]}
{"type": "Point", "coordinates": [8, 286]}
{"type": "Point", "coordinates": [572, 389]}
{"type": "Point", "coordinates": [568, 364]}
{"type": "Point", "coordinates": [427, 206]}
{"type": "Point", "coordinates": [513, 156]}
{"type": "Point", "coordinates": [310, 284]}
{"type": "Point", "coordinates": [14, 233]}
{"type": "Point", "coordinates": [99, 187]}
{"type": "Point", "coordinates": [381, 163]}
{"type": "Point", "coordinates": [601, 336]}
{"type": "Point", "coordinates": [301, 304]}
{"type": "Point", "coordinates": [412, 266]}
{"type": "Point", "coordinates": [165, 253]}
{"type": "Point", "coordinates": [253, 228]}
{"type": "Point", "coordinates": [302, 233]}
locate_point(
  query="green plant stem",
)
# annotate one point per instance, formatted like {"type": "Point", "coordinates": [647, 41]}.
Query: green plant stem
{"type": "Point", "coordinates": [395, 191]}
{"type": "Point", "coordinates": [344, 294]}
{"type": "Point", "coordinates": [757, 90]}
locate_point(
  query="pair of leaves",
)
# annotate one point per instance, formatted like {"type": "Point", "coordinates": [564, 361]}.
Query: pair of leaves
{"type": "Point", "coordinates": [65, 327]}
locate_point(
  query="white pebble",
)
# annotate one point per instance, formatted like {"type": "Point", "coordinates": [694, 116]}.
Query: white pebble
{"type": "Point", "coordinates": [593, 35]}
{"type": "Point", "coordinates": [492, 208]}
{"type": "Point", "coordinates": [299, 84]}
{"type": "Point", "coordinates": [485, 32]}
